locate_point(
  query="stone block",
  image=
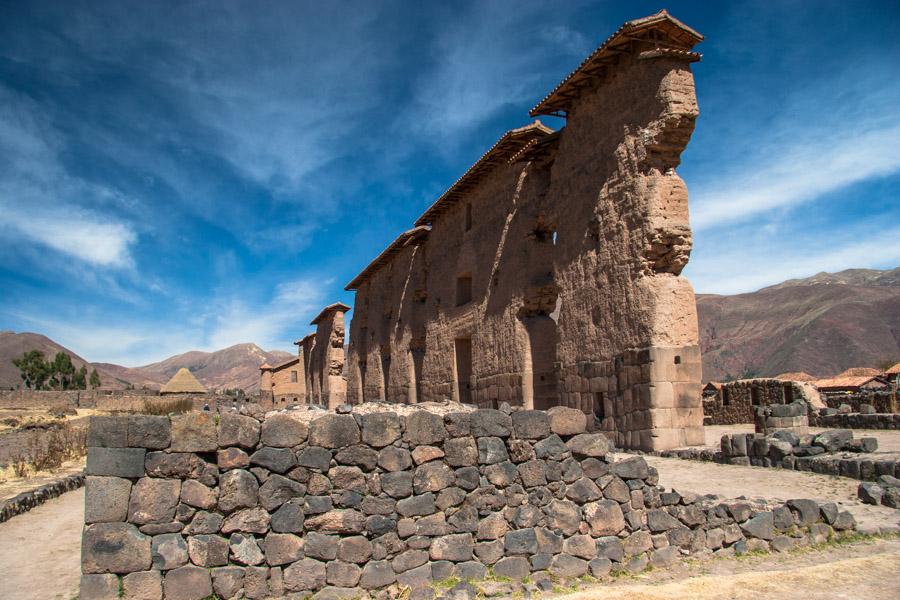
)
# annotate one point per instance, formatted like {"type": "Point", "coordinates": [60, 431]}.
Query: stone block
{"type": "Point", "coordinates": [456, 547]}
{"type": "Point", "coordinates": [153, 500]}
{"type": "Point", "coordinates": [227, 581]}
{"type": "Point", "coordinates": [194, 493]}
{"type": "Point", "coordinates": [377, 574]}
{"type": "Point", "coordinates": [106, 499]}
{"type": "Point", "coordinates": [491, 450]}
{"type": "Point", "coordinates": [334, 431]}
{"type": "Point", "coordinates": [380, 429]}
{"type": "Point", "coordinates": [282, 548]}
{"type": "Point", "coordinates": [107, 432]}
{"type": "Point", "coordinates": [277, 490]}
{"type": "Point", "coordinates": [169, 551]}
{"type": "Point", "coordinates": [194, 432]}
{"type": "Point", "coordinates": [187, 583]}
{"type": "Point", "coordinates": [342, 574]}
{"type": "Point", "coordinates": [245, 550]}
{"type": "Point", "coordinates": [143, 585]}
{"type": "Point", "coordinates": [277, 460]}
{"type": "Point", "coordinates": [115, 462]}
{"type": "Point", "coordinates": [248, 520]}
{"type": "Point", "coordinates": [98, 587]}
{"type": "Point", "coordinates": [283, 431]}
{"type": "Point", "coordinates": [516, 568]}
{"type": "Point", "coordinates": [489, 422]}
{"type": "Point", "coordinates": [237, 489]}
{"type": "Point", "coordinates": [531, 424]}
{"type": "Point", "coordinates": [238, 430]}
{"type": "Point", "coordinates": [114, 548]}
{"type": "Point", "coordinates": [208, 550]}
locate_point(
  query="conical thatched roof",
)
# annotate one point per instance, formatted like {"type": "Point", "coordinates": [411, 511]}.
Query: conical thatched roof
{"type": "Point", "coordinates": [183, 382]}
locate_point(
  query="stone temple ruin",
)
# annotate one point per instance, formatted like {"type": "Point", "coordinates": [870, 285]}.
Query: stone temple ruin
{"type": "Point", "coordinates": [549, 273]}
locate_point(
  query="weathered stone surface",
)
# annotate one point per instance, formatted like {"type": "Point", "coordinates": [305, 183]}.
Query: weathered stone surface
{"type": "Point", "coordinates": [551, 447]}
{"type": "Point", "coordinates": [227, 581]}
{"type": "Point", "coordinates": [338, 521]}
{"type": "Point", "coordinates": [290, 517]}
{"type": "Point", "coordinates": [762, 526]}
{"type": "Point", "coordinates": [283, 431]}
{"type": "Point", "coordinates": [610, 547]}
{"type": "Point", "coordinates": [115, 462]}
{"type": "Point", "coordinates": [533, 473]}
{"type": "Point", "coordinates": [237, 489]}
{"type": "Point", "coordinates": [142, 585]}
{"type": "Point", "coordinates": [564, 515]}
{"type": "Point", "coordinates": [616, 489]}
{"type": "Point", "coordinates": [354, 549]}
{"type": "Point", "coordinates": [321, 546]}
{"type": "Point", "coordinates": [398, 484]}
{"type": "Point", "coordinates": [870, 493]}
{"type": "Point", "coordinates": [564, 565]}
{"type": "Point", "coordinates": [114, 548]}
{"type": "Point", "coordinates": [424, 428]}
{"type": "Point", "coordinates": [249, 520]}
{"type": "Point", "coordinates": [106, 499]}
{"type": "Point", "coordinates": [169, 551]}
{"type": "Point", "coordinates": [380, 429]}
{"type": "Point", "coordinates": [415, 506]}
{"type": "Point", "coordinates": [358, 455]}
{"type": "Point", "coordinates": [277, 490]}
{"type": "Point", "coordinates": [334, 431]}
{"type": "Point", "coordinates": [491, 450]}
{"type": "Point", "coordinates": [256, 584]}
{"type": "Point", "coordinates": [583, 490]}
{"type": "Point", "coordinates": [148, 431]}
{"type": "Point", "coordinates": [208, 550]}
{"type": "Point", "coordinates": [424, 454]}
{"type": "Point", "coordinates": [238, 430]}
{"type": "Point", "coordinates": [490, 423]}
{"type": "Point", "coordinates": [520, 542]}
{"type": "Point", "coordinates": [467, 478]}
{"type": "Point", "coordinates": [277, 460]}
{"type": "Point", "coordinates": [833, 440]}
{"type": "Point", "coordinates": [282, 548]}
{"type": "Point", "coordinates": [806, 512]}
{"type": "Point", "coordinates": [637, 542]}
{"type": "Point", "coordinates": [594, 445]}
{"type": "Point", "coordinates": [187, 583]}
{"type": "Point", "coordinates": [245, 550]}
{"type": "Point", "coordinates": [582, 546]}
{"type": "Point", "coordinates": [194, 432]}
{"type": "Point", "coordinates": [514, 567]}
{"type": "Point", "coordinates": [456, 547]}
{"type": "Point", "coordinates": [204, 522]}
{"type": "Point", "coordinates": [98, 587]}
{"type": "Point", "coordinates": [342, 574]}
{"type": "Point", "coordinates": [567, 421]}
{"type": "Point", "coordinates": [232, 458]}
{"type": "Point", "coordinates": [604, 517]}
{"type": "Point", "coordinates": [176, 464]}
{"type": "Point", "coordinates": [153, 500]}
{"type": "Point", "coordinates": [194, 493]}
{"type": "Point", "coordinates": [631, 468]}
{"type": "Point", "coordinates": [432, 477]}
{"type": "Point", "coordinates": [531, 424]}
{"type": "Point", "coordinates": [659, 520]}
{"type": "Point", "coordinates": [376, 574]}
{"type": "Point", "coordinates": [394, 459]}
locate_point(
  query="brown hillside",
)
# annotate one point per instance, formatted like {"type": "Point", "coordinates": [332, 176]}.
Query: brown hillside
{"type": "Point", "coordinates": [821, 325]}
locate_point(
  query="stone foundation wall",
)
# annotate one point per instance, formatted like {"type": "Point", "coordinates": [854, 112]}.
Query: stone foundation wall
{"type": "Point", "coordinates": [881, 401]}
{"type": "Point", "coordinates": [196, 505]}
{"type": "Point", "coordinates": [857, 421]}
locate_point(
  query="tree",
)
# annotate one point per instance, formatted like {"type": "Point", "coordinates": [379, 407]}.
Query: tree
{"type": "Point", "coordinates": [33, 369]}
{"type": "Point", "coordinates": [62, 371]}
{"type": "Point", "coordinates": [95, 379]}
{"type": "Point", "coordinates": [79, 380]}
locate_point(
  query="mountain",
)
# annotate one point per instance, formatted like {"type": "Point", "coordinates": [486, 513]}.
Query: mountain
{"type": "Point", "coordinates": [13, 345]}
{"type": "Point", "coordinates": [233, 367]}
{"type": "Point", "coordinates": [822, 325]}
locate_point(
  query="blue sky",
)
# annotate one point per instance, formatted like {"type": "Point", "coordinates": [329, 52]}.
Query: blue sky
{"type": "Point", "coordinates": [179, 176]}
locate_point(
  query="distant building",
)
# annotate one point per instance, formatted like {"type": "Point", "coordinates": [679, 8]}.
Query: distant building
{"type": "Point", "coordinates": [795, 376]}
{"type": "Point", "coordinates": [183, 382]}
{"type": "Point", "coordinates": [284, 382]}
{"type": "Point", "coordinates": [850, 384]}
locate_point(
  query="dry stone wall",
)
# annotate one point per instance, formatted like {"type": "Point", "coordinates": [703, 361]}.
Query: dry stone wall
{"type": "Point", "coordinates": [349, 504]}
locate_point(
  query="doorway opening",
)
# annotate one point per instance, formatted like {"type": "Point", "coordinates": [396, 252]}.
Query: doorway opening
{"type": "Point", "coordinates": [463, 348]}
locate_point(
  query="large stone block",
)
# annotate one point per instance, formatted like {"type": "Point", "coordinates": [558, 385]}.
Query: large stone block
{"type": "Point", "coordinates": [107, 432]}
{"type": "Point", "coordinates": [98, 587]}
{"type": "Point", "coordinates": [595, 445]}
{"type": "Point", "coordinates": [227, 581]}
{"type": "Point", "coordinates": [106, 499]}
{"type": "Point", "coordinates": [277, 460]}
{"type": "Point", "coordinates": [115, 462]}
{"type": "Point", "coordinates": [238, 430]}
{"type": "Point", "coordinates": [169, 551]}
{"type": "Point", "coordinates": [306, 574]}
{"type": "Point", "coordinates": [277, 490]}
{"type": "Point", "coordinates": [237, 489]}
{"type": "Point", "coordinates": [282, 548]}
{"type": "Point", "coordinates": [194, 493]}
{"type": "Point", "coordinates": [153, 500]}
{"type": "Point", "coordinates": [114, 548]}
{"type": "Point", "coordinates": [185, 465]}
{"type": "Point", "coordinates": [567, 421]}
{"type": "Point", "coordinates": [149, 431]}
{"type": "Point", "coordinates": [187, 583]}
{"type": "Point", "coordinates": [380, 429]}
{"type": "Point", "coordinates": [456, 547]}
{"type": "Point", "coordinates": [334, 431]}
{"type": "Point", "coordinates": [604, 517]}
{"type": "Point", "coordinates": [531, 424]}
{"type": "Point", "coordinates": [489, 422]}
{"type": "Point", "coordinates": [283, 431]}
{"type": "Point", "coordinates": [143, 585]}
{"type": "Point", "coordinates": [194, 432]}
{"type": "Point", "coordinates": [424, 428]}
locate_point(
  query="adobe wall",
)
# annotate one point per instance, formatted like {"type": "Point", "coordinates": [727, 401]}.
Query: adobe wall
{"type": "Point", "coordinates": [575, 258]}
{"type": "Point", "coordinates": [193, 506]}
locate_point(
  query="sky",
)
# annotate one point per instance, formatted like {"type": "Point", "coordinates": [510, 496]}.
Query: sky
{"type": "Point", "coordinates": [192, 175]}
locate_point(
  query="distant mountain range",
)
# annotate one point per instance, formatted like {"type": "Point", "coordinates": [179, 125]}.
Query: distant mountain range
{"type": "Point", "coordinates": [233, 367]}
{"type": "Point", "coordinates": [822, 325]}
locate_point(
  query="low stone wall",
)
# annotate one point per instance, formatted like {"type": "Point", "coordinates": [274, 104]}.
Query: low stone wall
{"type": "Point", "coordinates": [347, 504]}
{"type": "Point", "coordinates": [113, 401]}
{"type": "Point", "coordinates": [25, 501]}
{"type": "Point", "coordinates": [881, 400]}
{"type": "Point", "coordinates": [830, 453]}
{"type": "Point", "coordinates": [856, 421]}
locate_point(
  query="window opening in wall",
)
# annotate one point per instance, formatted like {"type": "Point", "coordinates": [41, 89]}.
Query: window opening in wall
{"type": "Point", "coordinates": [726, 397]}
{"type": "Point", "coordinates": [599, 406]}
{"type": "Point", "coordinates": [788, 393]}
{"type": "Point", "coordinates": [468, 216]}
{"type": "Point", "coordinates": [386, 373]}
{"type": "Point", "coordinates": [554, 238]}
{"type": "Point", "coordinates": [362, 379]}
{"type": "Point", "coordinates": [463, 289]}
{"type": "Point", "coordinates": [463, 356]}
{"type": "Point", "coordinates": [677, 359]}
{"type": "Point", "coordinates": [293, 376]}
{"type": "Point", "coordinates": [754, 396]}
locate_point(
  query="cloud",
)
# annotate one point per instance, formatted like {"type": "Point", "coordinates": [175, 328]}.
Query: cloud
{"type": "Point", "coordinates": [769, 259]}
{"type": "Point", "coordinates": [40, 199]}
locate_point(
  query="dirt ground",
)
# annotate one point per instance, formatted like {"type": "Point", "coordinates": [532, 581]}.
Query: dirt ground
{"type": "Point", "coordinates": [40, 551]}
{"type": "Point", "coordinates": [862, 570]}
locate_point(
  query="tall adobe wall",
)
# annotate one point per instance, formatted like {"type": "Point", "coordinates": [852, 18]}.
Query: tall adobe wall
{"type": "Point", "coordinates": [550, 273]}
{"type": "Point", "coordinates": [192, 506]}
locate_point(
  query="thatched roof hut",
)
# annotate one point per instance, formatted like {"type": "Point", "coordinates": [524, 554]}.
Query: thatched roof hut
{"type": "Point", "coordinates": [183, 382]}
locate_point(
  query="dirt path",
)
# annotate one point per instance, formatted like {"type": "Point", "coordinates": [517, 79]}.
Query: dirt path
{"type": "Point", "coordinates": [863, 570]}
{"type": "Point", "coordinates": [40, 551]}
{"type": "Point", "coordinates": [732, 481]}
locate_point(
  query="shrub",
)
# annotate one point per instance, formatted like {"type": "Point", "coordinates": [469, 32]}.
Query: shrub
{"type": "Point", "coordinates": [165, 407]}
